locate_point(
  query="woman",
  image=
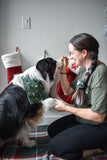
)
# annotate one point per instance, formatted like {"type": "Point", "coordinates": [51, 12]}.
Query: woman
{"type": "Point", "coordinates": [83, 132]}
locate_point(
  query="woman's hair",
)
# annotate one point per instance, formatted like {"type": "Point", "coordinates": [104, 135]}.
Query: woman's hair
{"type": "Point", "coordinates": [89, 43]}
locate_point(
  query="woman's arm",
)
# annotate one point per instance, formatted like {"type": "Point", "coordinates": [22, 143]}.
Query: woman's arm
{"type": "Point", "coordinates": [64, 82]}
{"type": "Point", "coordinates": [66, 85]}
{"type": "Point", "coordinates": [85, 113]}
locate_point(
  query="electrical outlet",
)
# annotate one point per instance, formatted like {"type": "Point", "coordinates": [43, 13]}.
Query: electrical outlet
{"type": "Point", "coordinates": [25, 22]}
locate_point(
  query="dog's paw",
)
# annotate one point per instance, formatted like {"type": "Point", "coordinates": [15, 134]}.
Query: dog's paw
{"type": "Point", "coordinates": [48, 103]}
{"type": "Point", "coordinates": [30, 143]}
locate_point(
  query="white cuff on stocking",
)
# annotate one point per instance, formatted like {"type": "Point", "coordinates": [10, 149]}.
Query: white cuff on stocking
{"type": "Point", "coordinates": [11, 60]}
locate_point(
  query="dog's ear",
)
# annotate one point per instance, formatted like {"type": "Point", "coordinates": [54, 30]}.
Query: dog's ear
{"type": "Point", "coordinates": [46, 66]}
{"type": "Point", "coordinates": [42, 66]}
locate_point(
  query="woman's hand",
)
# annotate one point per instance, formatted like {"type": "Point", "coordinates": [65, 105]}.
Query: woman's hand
{"type": "Point", "coordinates": [65, 60]}
{"type": "Point", "coordinates": [60, 106]}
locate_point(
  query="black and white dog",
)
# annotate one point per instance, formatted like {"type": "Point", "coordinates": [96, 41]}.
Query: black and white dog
{"type": "Point", "coordinates": [17, 115]}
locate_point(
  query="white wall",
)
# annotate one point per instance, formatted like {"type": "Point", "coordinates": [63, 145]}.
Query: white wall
{"type": "Point", "coordinates": [53, 23]}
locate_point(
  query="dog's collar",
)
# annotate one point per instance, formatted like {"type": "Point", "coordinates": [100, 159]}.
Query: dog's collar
{"type": "Point", "coordinates": [34, 90]}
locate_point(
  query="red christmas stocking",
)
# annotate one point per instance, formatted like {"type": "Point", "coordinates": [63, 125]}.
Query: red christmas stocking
{"type": "Point", "coordinates": [12, 62]}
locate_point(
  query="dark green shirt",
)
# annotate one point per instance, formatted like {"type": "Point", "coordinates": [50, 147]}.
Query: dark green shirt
{"type": "Point", "coordinates": [96, 92]}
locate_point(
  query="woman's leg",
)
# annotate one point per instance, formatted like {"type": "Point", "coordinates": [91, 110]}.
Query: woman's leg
{"type": "Point", "coordinates": [61, 124]}
{"type": "Point", "coordinates": [70, 143]}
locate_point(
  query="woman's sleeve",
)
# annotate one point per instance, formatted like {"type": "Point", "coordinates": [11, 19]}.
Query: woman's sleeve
{"type": "Point", "coordinates": [99, 92]}
{"type": "Point", "coordinates": [99, 99]}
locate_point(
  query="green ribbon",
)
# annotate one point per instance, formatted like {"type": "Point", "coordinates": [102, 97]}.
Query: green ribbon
{"type": "Point", "coordinates": [80, 84]}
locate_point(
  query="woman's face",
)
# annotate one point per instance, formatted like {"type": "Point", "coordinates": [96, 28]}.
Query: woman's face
{"type": "Point", "coordinates": [76, 55]}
